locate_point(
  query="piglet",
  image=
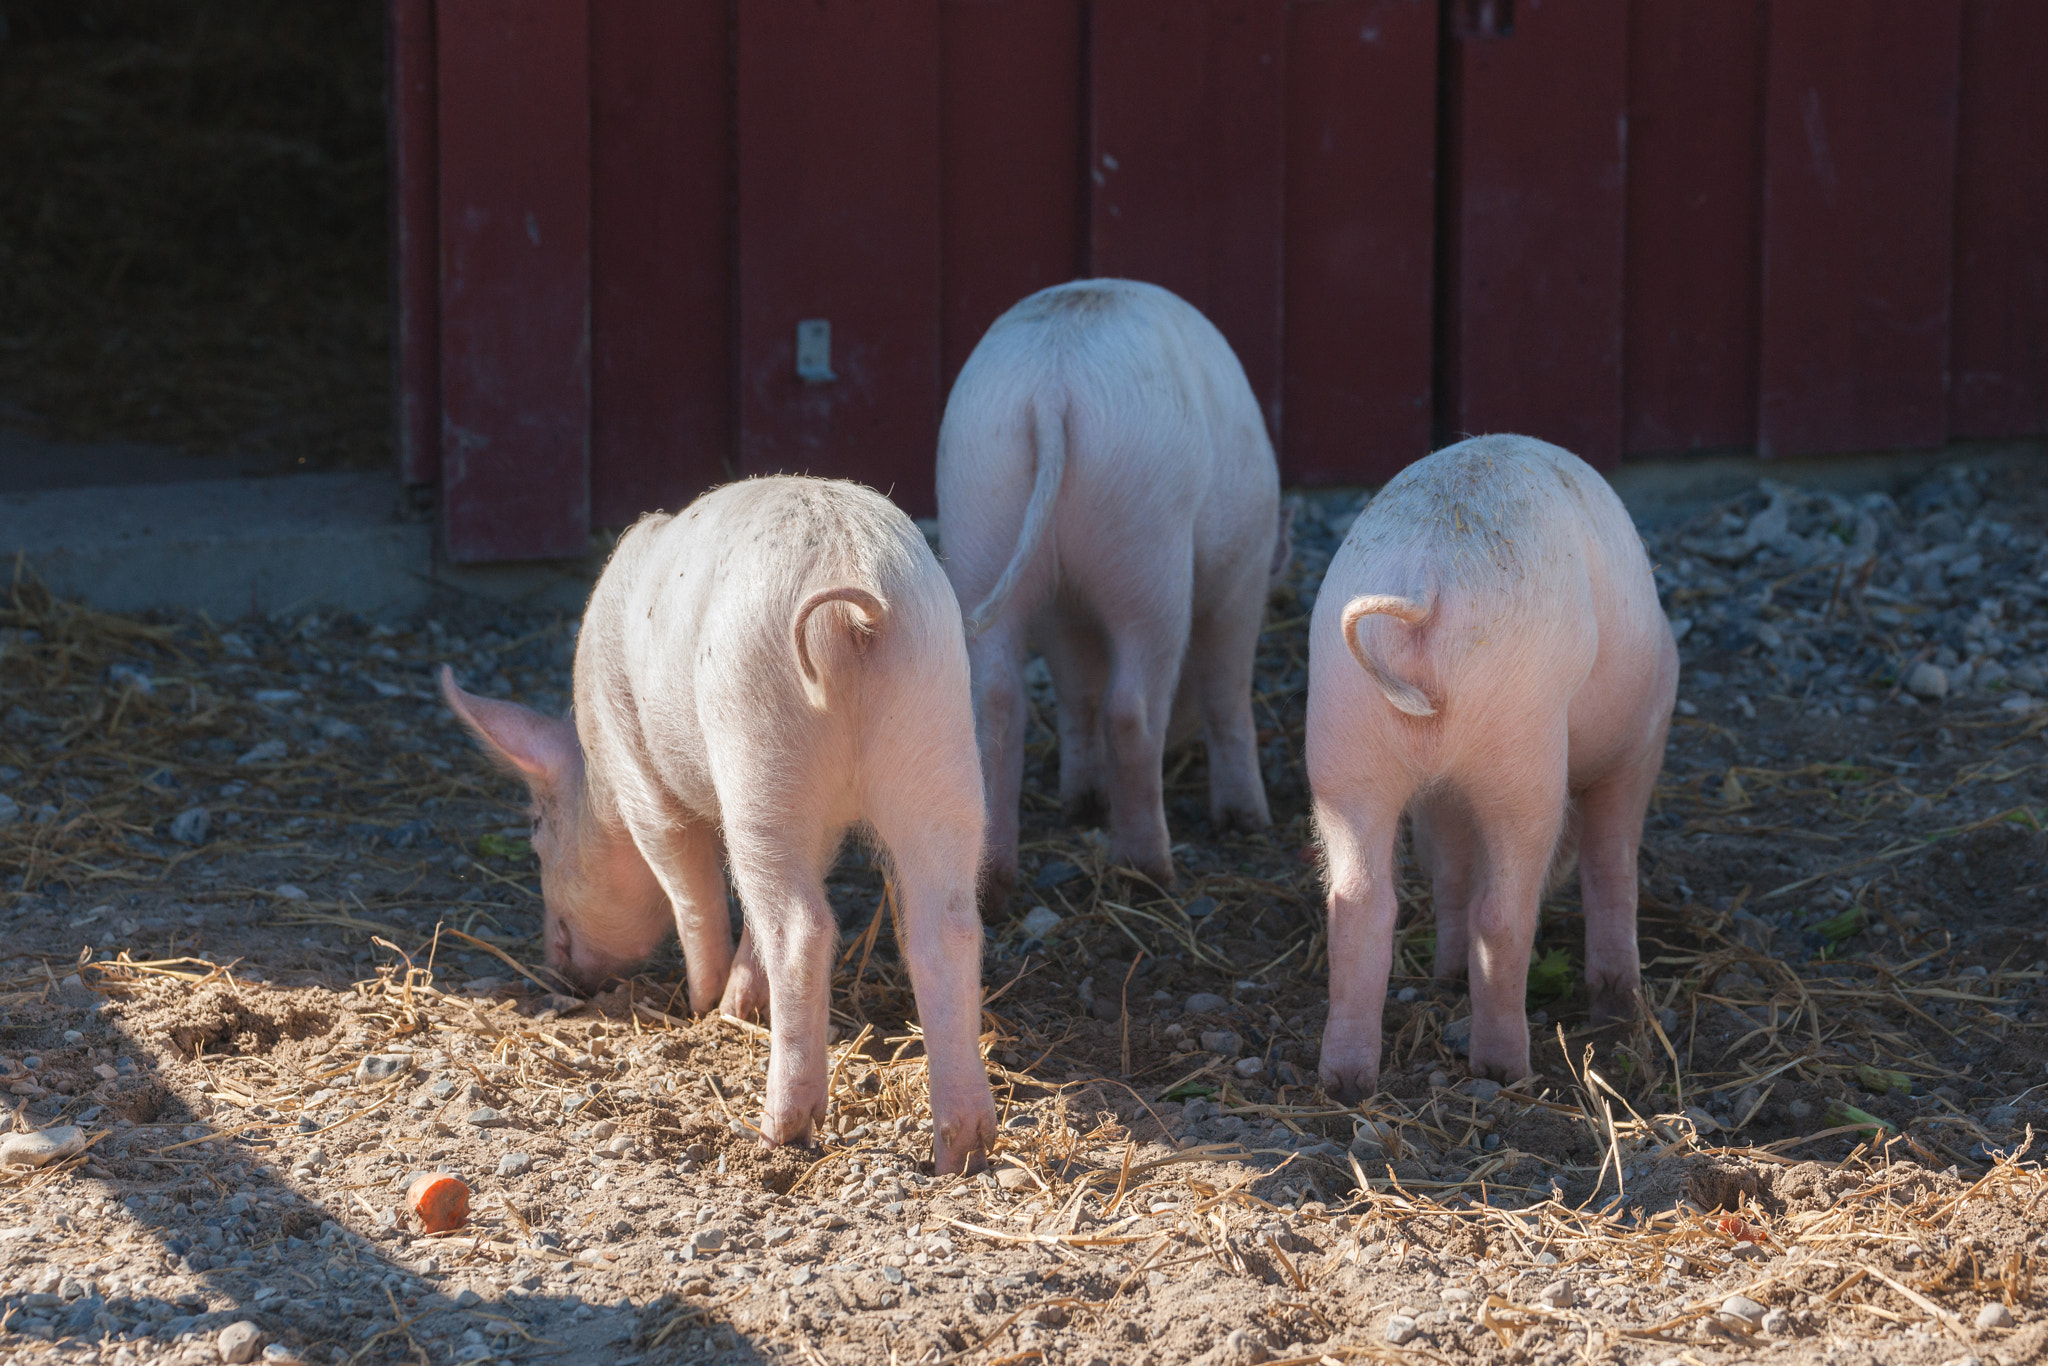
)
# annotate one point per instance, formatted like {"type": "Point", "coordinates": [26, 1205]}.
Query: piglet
{"type": "Point", "coordinates": [1487, 653]}
{"type": "Point", "coordinates": [1107, 493]}
{"type": "Point", "coordinates": [778, 662]}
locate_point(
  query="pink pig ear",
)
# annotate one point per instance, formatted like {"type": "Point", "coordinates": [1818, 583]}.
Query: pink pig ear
{"type": "Point", "coordinates": [538, 748]}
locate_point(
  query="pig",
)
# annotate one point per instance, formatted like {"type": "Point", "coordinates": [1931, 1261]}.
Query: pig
{"type": "Point", "coordinates": [1107, 493]}
{"type": "Point", "coordinates": [779, 662]}
{"type": "Point", "coordinates": [1487, 653]}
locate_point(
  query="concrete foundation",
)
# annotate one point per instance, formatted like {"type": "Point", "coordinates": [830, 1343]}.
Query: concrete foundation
{"type": "Point", "coordinates": [236, 546]}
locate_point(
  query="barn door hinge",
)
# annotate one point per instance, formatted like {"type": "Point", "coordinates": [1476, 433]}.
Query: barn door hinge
{"type": "Point", "coordinates": [1482, 19]}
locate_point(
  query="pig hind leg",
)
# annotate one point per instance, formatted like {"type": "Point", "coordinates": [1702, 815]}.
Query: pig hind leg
{"type": "Point", "coordinates": [1222, 649]}
{"type": "Point", "coordinates": [996, 658]}
{"type": "Point", "coordinates": [1613, 819]}
{"type": "Point", "coordinates": [1080, 671]}
{"type": "Point", "coordinates": [1518, 815]}
{"type": "Point", "coordinates": [932, 841]}
{"type": "Point", "coordinates": [1358, 841]}
{"type": "Point", "coordinates": [793, 929]}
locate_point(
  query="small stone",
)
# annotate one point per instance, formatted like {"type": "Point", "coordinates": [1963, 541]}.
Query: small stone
{"type": "Point", "coordinates": [2001, 1116]}
{"type": "Point", "coordinates": [382, 1067]}
{"type": "Point", "coordinates": [1927, 680]}
{"type": "Point", "coordinates": [1222, 1041]}
{"type": "Point", "coordinates": [285, 891]}
{"type": "Point", "coordinates": [1558, 1295]}
{"type": "Point", "coordinates": [1799, 1109]}
{"type": "Point", "coordinates": [620, 1145]}
{"type": "Point", "coordinates": [1739, 1311]}
{"type": "Point", "coordinates": [1458, 1036]}
{"type": "Point", "coordinates": [1994, 1315]}
{"type": "Point", "coordinates": [1055, 874]}
{"type": "Point", "coordinates": [188, 826]}
{"type": "Point", "coordinates": [1206, 1003]}
{"type": "Point", "coordinates": [443, 1088]}
{"type": "Point", "coordinates": [41, 1148]}
{"type": "Point", "coordinates": [893, 1275]}
{"type": "Point", "coordinates": [1040, 922]}
{"type": "Point", "coordinates": [1013, 1178]}
{"type": "Point", "coordinates": [1201, 906]}
{"type": "Point", "coordinates": [484, 1117]}
{"type": "Point", "coordinates": [1249, 1067]}
{"type": "Point", "coordinates": [1439, 1080]}
{"type": "Point", "coordinates": [709, 1238]}
{"type": "Point", "coordinates": [1777, 1322]}
{"type": "Point", "coordinates": [239, 1342]}
{"type": "Point", "coordinates": [1408, 995]}
{"type": "Point", "coordinates": [603, 1130]}
{"type": "Point", "coordinates": [268, 752]}
{"type": "Point", "coordinates": [1241, 1346]}
{"type": "Point", "coordinates": [1481, 1089]}
{"type": "Point", "coordinates": [1402, 1330]}
{"type": "Point", "coordinates": [515, 1164]}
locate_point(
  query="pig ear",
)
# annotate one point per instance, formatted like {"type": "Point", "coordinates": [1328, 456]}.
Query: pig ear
{"type": "Point", "coordinates": [538, 748]}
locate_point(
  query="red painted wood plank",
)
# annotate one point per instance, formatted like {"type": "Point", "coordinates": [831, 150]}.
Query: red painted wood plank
{"type": "Point", "coordinates": [1187, 143]}
{"type": "Point", "coordinates": [839, 220]}
{"type": "Point", "coordinates": [1999, 356]}
{"type": "Point", "coordinates": [415, 248]}
{"type": "Point", "coordinates": [1530, 328]}
{"type": "Point", "coordinates": [1360, 238]}
{"type": "Point", "coordinates": [1859, 203]}
{"type": "Point", "coordinates": [1011, 220]}
{"type": "Point", "coordinates": [661, 268]}
{"type": "Point", "coordinates": [515, 278]}
{"type": "Point", "coordinates": [1692, 273]}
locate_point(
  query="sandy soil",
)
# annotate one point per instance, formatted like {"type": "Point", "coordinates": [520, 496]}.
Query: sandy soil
{"type": "Point", "coordinates": [266, 1021]}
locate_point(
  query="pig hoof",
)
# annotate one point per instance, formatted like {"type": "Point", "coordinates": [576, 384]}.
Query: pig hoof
{"type": "Point", "coordinates": [1614, 1003]}
{"type": "Point", "coordinates": [1084, 809]}
{"type": "Point", "coordinates": [1348, 1087]}
{"type": "Point", "coordinates": [994, 895]}
{"type": "Point", "coordinates": [962, 1147]}
{"type": "Point", "coordinates": [746, 997]}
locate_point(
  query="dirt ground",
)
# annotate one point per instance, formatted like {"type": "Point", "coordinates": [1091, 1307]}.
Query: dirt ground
{"type": "Point", "coordinates": [268, 937]}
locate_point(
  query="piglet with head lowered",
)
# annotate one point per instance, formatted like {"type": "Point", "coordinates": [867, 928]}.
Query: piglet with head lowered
{"type": "Point", "coordinates": [1107, 493]}
{"type": "Point", "coordinates": [1488, 653]}
{"type": "Point", "coordinates": [778, 662]}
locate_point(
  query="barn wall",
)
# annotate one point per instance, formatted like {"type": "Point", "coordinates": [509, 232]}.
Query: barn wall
{"type": "Point", "coordinates": [1634, 227]}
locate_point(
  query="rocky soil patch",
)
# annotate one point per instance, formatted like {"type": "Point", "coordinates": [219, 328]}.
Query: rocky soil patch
{"type": "Point", "coordinates": [269, 946]}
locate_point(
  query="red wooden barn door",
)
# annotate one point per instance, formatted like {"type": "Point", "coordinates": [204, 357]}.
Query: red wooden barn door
{"type": "Point", "coordinates": [1359, 238]}
{"type": "Point", "coordinates": [1859, 205]}
{"type": "Point", "coordinates": [514, 337]}
{"type": "Point", "coordinates": [838, 225]}
{"type": "Point", "coordinates": [1530, 308]}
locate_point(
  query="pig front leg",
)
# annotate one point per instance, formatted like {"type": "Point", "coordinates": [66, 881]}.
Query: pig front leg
{"type": "Point", "coordinates": [685, 859]}
{"type": "Point", "coordinates": [996, 658]}
{"type": "Point", "coordinates": [746, 988]}
{"type": "Point", "coordinates": [1221, 652]}
{"type": "Point", "coordinates": [1519, 816]}
{"type": "Point", "coordinates": [1145, 656]}
{"type": "Point", "coordinates": [1080, 671]}
{"type": "Point", "coordinates": [1447, 846]}
{"type": "Point", "coordinates": [1612, 835]}
{"type": "Point", "coordinates": [1358, 843]}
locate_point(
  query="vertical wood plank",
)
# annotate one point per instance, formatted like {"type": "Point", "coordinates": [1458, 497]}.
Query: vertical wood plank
{"type": "Point", "coordinates": [1999, 356]}
{"type": "Point", "coordinates": [1531, 321]}
{"type": "Point", "coordinates": [515, 278]}
{"type": "Point", "coordinates": [1010, 131]}
{"type": "Point", "coordinates": [838, 122]}
{"type": "Point", "coordinates": [661, 268]}
{"type": "Point", "coordinates": [1859, 204]}
{"type": "Point", "coordinates": [1187, 145]}
{"type": "Point", "coordinates": [415, 245]}
{"type": "Point", "coordinates": [1692, 274]}
{"type": "Point", "coordinates": [1360, 238]}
